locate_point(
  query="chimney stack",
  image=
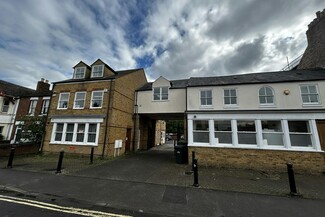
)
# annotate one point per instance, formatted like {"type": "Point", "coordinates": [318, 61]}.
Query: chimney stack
{"type": "Point", "coordinates": [314, 55]}
{"type": "Point", "coordinates": [43, 86]}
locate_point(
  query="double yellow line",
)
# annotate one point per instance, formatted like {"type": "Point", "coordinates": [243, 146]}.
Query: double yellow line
{"type": "Point", "coordinates": [56, 208]}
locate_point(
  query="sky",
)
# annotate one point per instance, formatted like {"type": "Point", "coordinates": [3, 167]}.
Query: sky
{"type": "Point", "coordinates": [176, 39]}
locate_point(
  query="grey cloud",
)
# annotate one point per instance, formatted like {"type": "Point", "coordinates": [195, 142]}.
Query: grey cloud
{"type": "Point", "coordinates": [246, 56]}
{"type": "Point", "coordinates": [248, 18]}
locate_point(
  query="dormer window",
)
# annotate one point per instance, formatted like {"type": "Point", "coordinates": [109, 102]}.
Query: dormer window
{"type": "Point", "coordinates": [160, 93]}
{"type": "Point", "coordinates": [79, 72]}
{"type": "Point", "coordinates": [97, 71]}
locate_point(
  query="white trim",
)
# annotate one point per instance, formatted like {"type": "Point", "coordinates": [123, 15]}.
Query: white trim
{"type": "Point", "coordinates": [60, 95]}
{"type": "Point", "coordinates": [92, 71]}
{"type": "Point", "coordinates": [160, 94]}
{"type": "Point", "coordinates": [206, 106]}
{"type": "Point", "coordinates": [310, 103]}
{"type": "Point", "coordinates": [91, 100]}
{"type": "Point", "coordinates": [78, 120]}
{"type": "Point", "coordinates": [230, 105]}
{"type": "Point", "coordinates": [84, 72]}
{"type": "Point", "coordinates": [46, 98]}
{"type": "Point", "coordinates": [84, 99]}
{"type": "Point", "coordinates": [268, 105]}
{"type": "Point", "coordinates": [283, 118]}
{"type": "Point", "coordinates": [74, 136]}
{"type": "Point", "coordinates": [33, 98]}
{"type": "Point", "coordinates": [273, 148]}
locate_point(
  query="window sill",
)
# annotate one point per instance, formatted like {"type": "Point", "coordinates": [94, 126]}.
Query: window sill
{"type": "Point", "coordinates": [312, 105]}
{"type": "Point", "coordinates": [206, 107]}
{"type": "Point", "coordinates": [268, 106]}
{"type": "Point", "coordinates": [255, 147]}
{"type": "Point", "coordinates": [61, 108]}
{"type": "Point", "coordinates": [230, 106]}
{"type": "Point", "coordinates": [95, 107]}
{"type": "Point", "coordinates": [167, 100]}
{"type": "Point", "coordinates": [73, 143]}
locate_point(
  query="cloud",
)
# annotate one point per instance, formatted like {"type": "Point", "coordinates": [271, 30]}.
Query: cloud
{"type": "Point", "coordinates": [176, 39]}
{"type": "Point", "coordinates": [245, 56]}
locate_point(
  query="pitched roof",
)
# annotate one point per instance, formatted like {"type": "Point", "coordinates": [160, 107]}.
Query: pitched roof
{"type": "Point", "coordinates": [14, 90]}
{"type": "Point", "coordinates": [118, 75]}
{"type": "Point", "coordinates": [253, 78]}
{"type": "Point", "coordinates": [175, 84]}
{"type": "Point", "coordinates": [258, 78]}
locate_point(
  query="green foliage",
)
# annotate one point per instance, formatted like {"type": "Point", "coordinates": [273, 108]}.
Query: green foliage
{"type": "Point", "coordinates": [32, 130]}
{"type": "Point", "coordinates": [172, 125]}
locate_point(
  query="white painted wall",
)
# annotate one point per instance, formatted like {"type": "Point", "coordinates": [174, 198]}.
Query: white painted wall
{"type": "Point", "coordinates": [176, 102]}
{"type": "Point", "coordinates": [7, 118]}
{"type": "Point", "coordinates": [247, 96]}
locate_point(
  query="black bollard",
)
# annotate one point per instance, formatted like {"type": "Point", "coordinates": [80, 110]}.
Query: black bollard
{"type": "Point", "coordinates": [291, 176]}
{"type": "Point", "coordinates": [196, 174]}
{"type": "Point", "coordinates": [58, 169]}
{"type": "Point", "coordinates": [11, 158]}
{"type": "Point", "coordinates": [193, 157]}
{"type": "Point", "coordinates": [92, 155]}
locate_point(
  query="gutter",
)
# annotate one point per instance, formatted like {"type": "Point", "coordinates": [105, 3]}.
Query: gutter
{"type": "Point", "coordinates": [106, 117]}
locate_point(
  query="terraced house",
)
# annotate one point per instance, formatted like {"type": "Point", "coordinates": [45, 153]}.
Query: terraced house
{"type": "Point", "coordinates": [93, 109]}
{"type": "Point", "coordinates": [257, 120]}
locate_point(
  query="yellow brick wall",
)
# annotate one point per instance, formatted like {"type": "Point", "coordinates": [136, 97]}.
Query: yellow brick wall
{"type": "Point", "coordinates": [310, 162]}
{"type": "Point", "coordinates": [72, 88]}
{"type": "Point", "coordinates": [120, 111]}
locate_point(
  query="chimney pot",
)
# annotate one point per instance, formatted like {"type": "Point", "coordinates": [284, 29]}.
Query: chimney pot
{"type": "Point", "coordinates": [318, 14]}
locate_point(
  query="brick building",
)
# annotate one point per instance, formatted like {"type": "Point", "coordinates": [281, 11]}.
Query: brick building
{"type": "Point", "coordinates": [9, 100]}
{"type": "Point", "coordinates": [93, 109]}
{"type": "Point", "coordinates": [34, 106]}
{"type": "Point", "coordinates": [314, 55]}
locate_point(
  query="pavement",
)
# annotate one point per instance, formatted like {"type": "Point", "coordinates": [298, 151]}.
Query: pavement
{"type": "Point", "coordinates": [150, 182]}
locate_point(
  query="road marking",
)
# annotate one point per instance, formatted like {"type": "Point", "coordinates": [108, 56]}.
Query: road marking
{"type": "Point", "coordinates": [57, 208]}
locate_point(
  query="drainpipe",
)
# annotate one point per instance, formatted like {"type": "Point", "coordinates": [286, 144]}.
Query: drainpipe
{"type": "Point", "coordinates": [107, 116]}
{"type": "Point", "coordinates": [186, 114]}
{"type": "Point", "coordinates": [135, 131]}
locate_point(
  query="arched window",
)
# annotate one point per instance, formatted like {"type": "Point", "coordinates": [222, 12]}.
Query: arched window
{"type": "Point", "coordinates": [266, 96]}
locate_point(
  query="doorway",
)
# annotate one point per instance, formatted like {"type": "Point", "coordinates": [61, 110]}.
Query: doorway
{"type": "Point", "coordinates": [128, 139]}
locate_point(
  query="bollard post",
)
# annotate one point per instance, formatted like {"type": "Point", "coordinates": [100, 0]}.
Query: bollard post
{"type": "Point", "coordinates": [59, 167]}
{"type": "Point", "coordinates": [11, 158]}
{"type": "Point", "coordinates": [291, 176]}
{"type": "Point", "coordinates": [193, 157]}
{"type": "Point", "coordinates": [92, 155]}
{"type": "Point", "coordinates": [196, 174]}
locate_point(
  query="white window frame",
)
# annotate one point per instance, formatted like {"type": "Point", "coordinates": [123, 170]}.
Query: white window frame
{"type": "Point", "coordinates": [75, 100]}
{"type": "Point", "coordinates": [230, 96]}
{"type": "Point", "coordinates": [79, 75]}
{"type": "Point", "coordinates": [317, 92]}
{"type": "Point", "coordinates": [45, 105]}
{"type": "Point", "coordinates": [160, 94]}
{"type": "Point", "coordinates": [5, 108]}
{"type": "Point", "coordinates": [93, 71]}
{"type": "Point", "coordinates": [92, 99]}
{"type": "Point", "coordinates": [60, 96]}
{"type": "Point", "coordinates": [74, 137]}
{"type": "Point", "coordinates": [265, 96]}
{"type": "Point", "coordinates": [32, 106]}
{"type": "Point", "coordinates": [206, 98]}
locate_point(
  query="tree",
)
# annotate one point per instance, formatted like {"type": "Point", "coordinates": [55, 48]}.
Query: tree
{"type": "Point", "coordinates": [31, 129]}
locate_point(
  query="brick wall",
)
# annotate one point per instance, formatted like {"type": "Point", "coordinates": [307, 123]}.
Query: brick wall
{"type": "Point", "coordinates": [314, 55]}
{"type": "Point", "coordinates": [310, 162]}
